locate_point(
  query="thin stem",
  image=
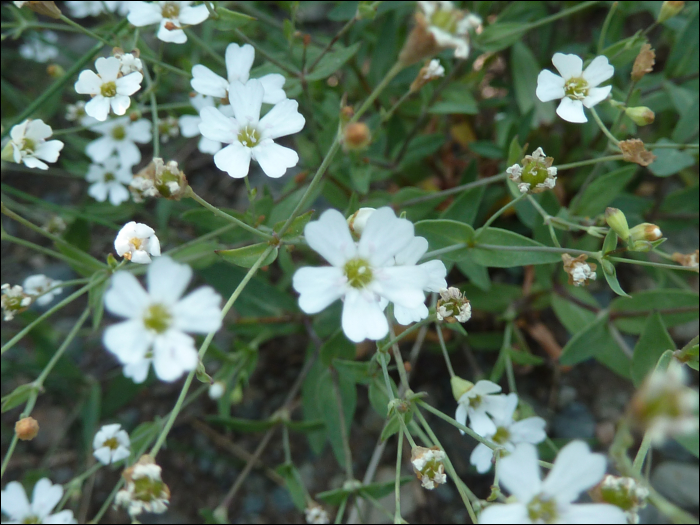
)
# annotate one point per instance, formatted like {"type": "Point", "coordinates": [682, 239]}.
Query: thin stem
{"type": "Point", "coordinates": [165, 66]}
{"type": "Point", "coordinates": [205, 47]}
{"type": "Point", "coordinates": [642, 454]}
{"type": "Point", "coordinates": [496, 215]}
{"type": "Point", "coordinates": [107, 502]}
{"type": "Point", "coordinates": [405, 430]}
{"type": "Point", "coordinates": [454, 423]}
{"type": "Point", "coordinates": [456, 189]}
{"type": "Point", "coordinates": [341, 510]}
{"type": "Point", "coordinates": [285, 67]}
{"type": "Point", "coordinates": [395, 70]}
{"type": "Point", "coordinates": [154, 112]}
{"type": "Point", "coordinates": [438, 329]}
{"type": "Point", "coordinates": [216, 211]}
{"type": "Point", "coordinates": [604, 30]}
{"type": "Point", "coordinates": [8, 456]}
{"type": "Point", "coordinates": [75, 483]}
{"type": "Point", "coordinates": [347, 453]}
{"type": "Point", "coordinates": [546, 217]}
{"type": "Point", "coordinates": [399, 360]}
{"type": "Point", "coordinates": [653, 264]}
{"type": "Point", "coordinates": [337, 37]}
{"type": "Point", "coordinates": [672, 146]}
{"type": "Point", "coordinates": [403, 334]}
{"type": "Point", "coordinates": [544, 249]}
{"type": "Point", "coordinates": [561, 14]}
{"type": "Point", "coordinates": [45, 251]}
{"type": "Point", "coordinates": [393, 108]}
{"type": "Point", "coordinates": [505, 352]}
{"type": "Point", "coordinates": [286, 446]}
{"type": "Point", "coordinates": [603, 127]}
{"type": "Point", "coordinates": [385, 370]}
{"type": "Point", "coordinates": [397, 482]}
{"type": "Point", "coordinates": [85, 30]}
{"type": "Point", "coordinates": [589, 162]}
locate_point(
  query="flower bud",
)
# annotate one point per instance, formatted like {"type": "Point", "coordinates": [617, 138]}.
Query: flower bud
{"type": "Point", "coordinates": [641, 115]}
{"type": "Point", "coordinates": [358, 220]}
{"type": "Point", "coordinates": [216, 390]}
{"type": "Point", "coordinates": [460, 387]}
{"type": "Point", "coordinates": [622, 492]}
{"type": "Point", "coordinates": [669, 10]}
{"type": "Point", "coordinates": [580, 272]}
{"type": "Point", "coordinates": [50, 9]}
{"type": "Point", "coordinates": [26, 428]}
{"type": "Point", "coordinates": [356, 136]}
{"type": "Point", "coordinates": [55, 71]}
{"type": "Point", "coordinates": [618, 222]}
{"type": "Point", "coordinates": [428, 465]}
{"type": "Point", "coordinates": [8, 153]}
{"type": "Point", "coordinates": [645, 232]}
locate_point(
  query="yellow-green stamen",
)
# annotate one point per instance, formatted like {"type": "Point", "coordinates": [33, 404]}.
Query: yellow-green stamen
{"type": "Point", "coordinates": [249, 136]}
{"type": "Point", "coordinates": [157, 318]}
{"type": "Point", "coordinates": [358, 272]}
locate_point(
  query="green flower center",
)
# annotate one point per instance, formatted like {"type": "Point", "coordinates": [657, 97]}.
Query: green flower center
{"type": "Point", "coordinates": [119, 133]}
{"type": "Point", "coordinates": [249, 136]}
{"type": "Point", "coordinates": [31, 519]}
{"type": "Point", "coordinates": [501, 436]}
{"type": "Point", "coordinates": [109, 177]}
{"type": "Point", "coordinates": [157, 318]}
{"type": "Point", "coordinates": [358, 272]}
{"type": "Point", "coordinates": [171, 10]}
{"type": "Point", "coordinates": [542, 510]}
{"type": "Point", "coordinates": [108, 89]}
{"type": "Point", "coordinates": [147, 489]}
{"type": "Point", "coordinates": [28, 145]}
{"type": "Point", "coordinates": [445, 20]}
{"type": "Point", "coordinates": [475, 402]}
{"type": "Point", "coordinates": [111, 443]}
{"type": "Point", "coordinates": [576, 88]}
{"type": "Point", "coordinates": [534, 173]}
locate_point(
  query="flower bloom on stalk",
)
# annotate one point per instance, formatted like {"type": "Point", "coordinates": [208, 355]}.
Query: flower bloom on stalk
{"type": "Point", "coordinates": [536, 174]}
{"type": "Point", "coordinates": [478, 403]}
{"type": "Point", "coordinates": [453, 306]}
{"type": "Point", "coordinates": [159, 179]}
{"type": "Point", "coordinates": [428, 465]}
{"type": "Point", "coordinates": [111, 444]}
{"type": "Point", "coordinates": [40, 47]}
{"type": "Point", "coordinates": [624, 493]}
{"type": "Point", "coordinates": [144, 489]}
{"type": "Point", "coordinates": [316, 514]}
{"type": "Point", "coordinates": [136, 242]}
{"type": "Point", "coordinates": [14, 301]}
{"type": "Point", "coordinates": [575, 87]}
{"type": "Point", "coordinates": [508, 434]}
{"type": "Point", "coordinates": [108, 88]}
{"type": "Point", "coordinates": [367, 275]}
{"type": "Point", "coordinates": [119, 135]}
{"type": "Point", "coordinates": [239, 60]}
{"type": "Point", "coordinates": [109, 180]}
{"type": "Point", "coordinates": [580, 272]}
{"type": "Point", "coordinates": [189, 124]}
{"type": "Point", "coordinates": [250, 137]}
{"type": "Point", "coordinates": [171, 16]}
{"type": "Point", "coordinates": [28, 145]}
{"type": "Point", "coordinates": [128, 62]}
{"type": "Point", "coordinates": [158, 319]}
{"type": "Point", "coordinates": [38, 286]}
{"type": "Point", "coordinates": [575, 470]}
{"type": "Point", "coordinates": [45, 497]}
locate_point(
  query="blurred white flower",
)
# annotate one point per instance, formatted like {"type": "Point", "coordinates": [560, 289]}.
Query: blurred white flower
{"type": "Point", "coordinates": [144, 489]}
{"type": "Point", "coordinates": [575, 87]}
{"type": "Point", "coordinates": [250, 137]}
{"type": "Point", "coordinates": [107, 88]}
{"type": "Point", "coordinates": [158, 319]}
{"type": "Point", "coordinates": [575, 470]}
{"type": "Point", "coordinates": [39, 286]}
{"type": "Point", "coordinates": [508, 434]}
{"type": "Point", "coordinates": [479, 404]}
{"type": "Point", "coordinates": [40, 47]}
{"type": "Point", "coordinates": [111, 444]}
{"type": "Point", "coordinates": [189, 124]}
{"type": "Point", "coordinates": [168, 128]}
{"type": "Point", "coordinates": [128, 62]}
{"type": "Point", "coordinates": [119, 135]}
{"type": "Point", "coordinates": [433, 70]}
{"type": "Point", "coordinates": [82, 9]}
{"type": "Point", "coordinates": [45, 497]}
{"type": "Point", "coordinates": [14, 301]}
{"type": "Point", "coordinates": [239, 60]}
{"type": "Point", "coordinates": [449, 26]}
{"type": "Point", "coordinates": [109, 180]}
{"type": "Point", "coordinates": [317, 515]}
{"type": "Point", "coordinates": [216, 390]}
{"type": "Point", "coordinates": [29, 144]}
{"type": "Point", "coordinates": [136, 242]}
{"type": "Point", "coordinates": [171, 16]}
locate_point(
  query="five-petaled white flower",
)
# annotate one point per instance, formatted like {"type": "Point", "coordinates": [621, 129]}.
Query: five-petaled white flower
{"type": "Point", "coordinates": [111, 444]}
{"type": "Point", "coordinates": [239, 60]}
{"type": "Point", "coordinates": [479, 404]}
{"type": "Point", "coordinates": [44, 498]}
{"type": "Point", "coordinates": [109, 180]}
{"type": "Point", "coordinates": [171, 16]}
{"type": "Point", "coordinates": [367, 275]}
{"type": "Point", "coordinates": [508, 434]}
{"type": "Point", "coordinates": [250, 137]}
{"type": "Point", "coordinates": [575, 470]}
{"type": "Point", "coordinates": [136, 242]}
{"type": "Point", "coordinates": [119, 135]}
{"type": "Point", "coordinates": [158, 319]}
{"type": "Point", "coordinates": [29, 144]}
{"type": "Point", "coordinates": [575, 87]}
{"type": "Point", "coordinates": [42, 288]}
{"type": "Point", "coordinates": [107, 88]}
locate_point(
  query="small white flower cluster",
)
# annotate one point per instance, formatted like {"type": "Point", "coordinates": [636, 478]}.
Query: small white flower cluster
{"type": "Point", "coordinates": [83, 9]}
{"type": "Point", "coordinates": [171, 16]}
{"type": "Point", "coordinates": [145, 490]}
{"type": "Point", "coordinates": [452, 306]}
{"type": "Point", "coordinates": [109, 180]}
{"type": "Point", "coordinates": [40, 47]}
{"type": "Point", "coordinates": [317, 515]}
{"type": "Point", "coordinates": [14, 301]}
{"type": "Point", "coordinates": [136, 242]}
{"type": "Point", "coordinates": [42, 289]}
{"type": "Point", "coordinates": [380, 268]}
{"type": "Point", "coordinates": [109, 87]}
{"type": "Point", "coordinates": [119, 136]}
{"type": "Point", "coordinates": [536, 174]}
{"type": "Point", "coordinates": [45, 497]}
{"type": "Point", "coordinates": [449, 26]}
{"type": "Point", "coordinates": [111, 444]}
{"type": "Point", "coordinates": [28, 145]}
{"type": "Point", "coordinates": [428, 465]}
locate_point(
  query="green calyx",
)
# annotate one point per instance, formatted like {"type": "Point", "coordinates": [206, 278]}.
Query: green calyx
{"type": "Point", "coordinates": [358, 272]}
{"type": "Point", "coordinates": [147, 489]}
{"type": "Point", "coordinates": [534, 173]}
{"type": "Point", "coordinates": [576, 88]}
{"type": "Point", "coordinates": [542, 511]}
{"type": "Point", "coordinates": [108, 89]}
{"type": "Point", "coordinates": [249, 136]}
{"type": "Point", "coordinates": [157, 318]}
{"type": "Point", "coordinates": [460, 387]}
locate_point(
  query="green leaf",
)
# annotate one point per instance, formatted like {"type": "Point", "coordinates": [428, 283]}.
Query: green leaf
{"type": "Point", "coordinates": [95, 299]}
{"type": "Point", "coordinates": [232, 19]}
{"type": "Point", "coordinates": [330, 413]}
{"type": "Point", "coordinates": [687, 126]}
{"type": "Point", "coordinates": [444, 233]}
{"type": "Point", "coordinates": [248, 255]}
{"type": "Point", "coordinates": [380, 490]}
{"type": "Point", "coordinates": [337, 346]}
{"type": "Point", "coordinates": [17, 397]}
{"type": "Point", "coordinates": [293, 481]}
{"type": "Point", "coordinates": [296, 228]}
{"type": "Point", "coordinates": [507, 259]}
{"type": "Point", "coordinates": [466, 107]}
{"type": "Point", "coordinates": [332, 61]}
{"type": "Point", "coordinates": [242, 425]}
{"type": "Point", "coordinates": [690, 443]}
{"type": "Point", "coordinates": [611, 276]}
{"type": "Point", "coordinates": [422, 147]}
{"type": "Point", "coordinates": [378, 397]}
{"type": "Point", "coordinates": [499, 36]}
{"type": "Point", "coordinates": [334, 497]}
{"type": "Point", "coordinates": [610, 242]}
{"type": "Point", "coordinates": [496, 299]}
{"type": "Point", "coordinates": [90, 413]}
{"type": "Point", "coordinates": [466, 206]}
{"type": "Point", "coordinates": [653, 342]}
{"type": "Point", "coordinates": [654, 300]}
{"type": "Point", "coordinates": [572, 316]}
{"type": "Point", "coordinates": [358, 371]}
{"type": "Point", "coordinates": [602, 191]}
{"type": "Point", "coordinates": [525, 70]}
{"type": "Point", "coordinates": [524, 358]}
{"type": "Point", "coordinates": [305, 426]}
{"type": "Point", "coordinates": [515, 153]}
{"type": "Point", "coordinates": [670, 161]}
{"type": "Point", "coordinates": [478, 275]}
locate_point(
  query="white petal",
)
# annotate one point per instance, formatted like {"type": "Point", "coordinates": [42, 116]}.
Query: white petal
{"type": "Point", "coordinates": [173, 355]}
{"type": "Point", "coordinates": [45, 497]}
{"type": "Point", "coordinates": [272, 84]}
{"type": "Point", "coordinates": [120, 103]}
{"type": "Point", "coordinates": [189, 125]}
{"type": "Point", "coordinates": [33, 162]}
{"type": "Point", "coordinates": [330, 237]}
{"type": "Point", "coordinates": [139, 131]}
{"type": "Point", "coordinates": [569, 66]}
{"type": "Point", "coordinates": [405, 316]}
{"type": "Point", "coordinates": [120, 453]}
{"type": "Point", "coordinates": [193, 15]}
{"type": "Point", "coordinates": [549, 86]}
{"type": "Point", "coordinates": [14, 501]}
{"type": "Point", "coordinates": [504, 513]}
{"type": "Point", "coordinates": [598, 71]}
{"type": "Point", "coordinates": [481, 458]}
{"type": "Point", "coordinates": [239, 60]}
{"type": "Point", "coordinates": [167, 280]}
{"type": "Point", "coordinates": [198, 312]}
{"type": "Point", "coordinates": [98, 108]}
{"type": "Point", "coordinates": [384, 236]}
{"type": "Point", "coordinates": [520, 473]}
{"type": "Point", "coordinates": [436, 273]}
{"type": "Point", "coordinates": [144, 13]}
{"type": "Point", "coordinates": [128, 152]}
{"type": "Point", "coordinates": [88, 83]}
{"type": "Point", "coordinates": [49, 151]}
{"type": "Point", "coordinates": [481, 423]}
{"type": "Point", "coordinates": [216, 126]}
{"type": "Point", "coordinates": [209, 146]}
{"type": "Point", "coordinates": [100, 149]}
{"type": "Point", "coordinates": [402, 285]}
{"type": "Point", "coordinates": [571, 110]}
{"type": "Point", "coordinates": [592, 513]}
{"type": "Point", "coordinates": [485, 387]}
{"type": "Point", "coordinates": [154, 246]}
{"type": "Point", "coordinates": [461, 416]}
{"type": "Point", "coordinates": [362, 318]}
{"type": "Point", "coordinates": [140, 257]}
{"type": "Point", "coordinates": [98, 191]}
{"type": "Point", "coordinates": [128, 341]}
{"type": "Point", "coordinates": [234, 159]}
{"type": "Point", "coordinates": [596, 95]}
{"type": "Point", "coordinates": [274, 159]}
{"type": "Point", "coordinates": [318, 287]}
{"type": "Point", "coordinates": [173, 36]}
{"type": "Point", "coordinates": [65, 516]}
{"type": "Point", "coordinates": [206, 82]}
{"type": "Point", "coordinates": [38, 130]}
{"type": "Point", "coordinates": [246, 100]}
{"type": "Point", "coordinates": [103, 455]}
{"type": "Point", "coordinates": [107, 68]}
{"type": "Point", "coordinates": [117, 194]}
{"type": "Point", "coordinates": [138, 372]}
{"type": "Point", "coordinates": [129, 84]}
{"type": "Point", "coordinates": [505, 418]}
{"type": "Point", "coordinates": [282, 120]}
{"type": "Point", "coordinates": [125, 296]}
{"type": "Point", "coordinates": [412, 253]}
{"type": "Point", "coordinates": [575, 470]}
{"type": "Point", "coordinates": [530, 430]}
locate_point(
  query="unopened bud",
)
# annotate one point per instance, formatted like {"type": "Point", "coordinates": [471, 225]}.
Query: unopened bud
{"type": "Point", "coordinates": [44, 8]}
{"type": "Point", "coordinates": [346, 113]}
{"type": "Point", "coordinates": [358, 220]}
{"type": "Point", "coordinates": [460, 387]}
{"type": "Point", "coordinates": [26, 428]}
{"type": "Point", "coordinates": [55, 71]}
{"type": "Point", "coordinates": [641, 115]}
{"type": "Point", "coordinates": [668, 10]}
{"type": "Point", "coordinates": [216, 390]}
{"type": "Point", "coordinates": [8, 153]}
{"type": "Point", "coordinates": [356, 136]}
{"type": "Point", "coordinates": [618, 222]}
{"type": "Point", "coordinates": [645, 232]}
{"type": "Point", "coordinates": [237, 395]}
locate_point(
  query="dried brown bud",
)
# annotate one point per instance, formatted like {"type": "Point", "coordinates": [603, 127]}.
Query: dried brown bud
{"type": "Point", "coordinates": [633, 150]}
{"type": "Point", "coordinates": [690, 260]}
{"type": "Point", "coordinates": [644, 63]}
{"type": "Point", "coordinates": [580, 272]}
{"type": "Point", "coordinates": [26, 428]}
{"type": "Point", "coordinates": [356, 136]}
{"type": "Point", "coordinates": [420, 44]}
{"type": "Point", "coordinates": [45, 8]}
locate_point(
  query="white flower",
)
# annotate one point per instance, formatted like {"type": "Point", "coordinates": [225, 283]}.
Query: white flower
{"type": "Point", "coordinates": [109, 180]}
{"type": "Point", "coordinates": [171, 16]}
{"type": "Point", "coordinates": [168, 128]}
{"type": "Point", "coordinates": [623, 492]}
{"type": "Point", "coordinates": [575, 470]}
{"type": "Point", "coordinates": [453, 306]}
{"type": "Point", "coordinates": [428, 465]}
{"type": "Point", "coordinates": [121, 8]}
{"type": "Point", "coordinates": [239, 60]}
{"type": "Point", "coordinates": [449, 26]}
{"type": "Point", "coordinates": [81, 9]}
{"type": "Point", "coordinates": [39, 286]}
{"type": "Point", "coordinates": [433, 70]}
{"type": "Point", "coordinates": [582, 272]}
{"type": "Point", "coordinates": [536, 174]}
{"type": "Point", "coordinates": [477, 404]}
{"type": "Point", "coordinates": [315, 514]}
{"type": "Point", "coordinates": [45, 497]}
{"type": "Point", "coordinates": [120, 136]}
{"type": "Point", "coordinates": [158, 319]}
{"type": "Point", "coordinates": [250, 137]}
{"type": "Point", "coordinates": [508, 434]}
{"type": "Point", "coordinates": [367, 275]}
{"type": "Point", "coordinates": [128, 63]}
{"type": "Point", "coordinates": [576, 88]}
{"type": "Point", "coordinates": [14, 301]}
{"type": "Point", "coordinates": [136, 242]}
{"type": "Point", "coordinates": [29, 144]}
{"type": "Point", "coordinates": [40, 48]}
{"type": "Point", "coordinates": [107, 88]}
{"type": "Point", "coordinates": [216, 390]}
{"type": "Point", "coordinates": [145, 490]}
{"type": "Point", "coordinates": [111, 444]}
{"type": "Point", "coordinates": [189, 124]}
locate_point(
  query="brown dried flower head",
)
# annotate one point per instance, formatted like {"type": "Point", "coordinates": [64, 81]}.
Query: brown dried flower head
{"type": "Point", "coordinates": [580, 272]}
{"type": "Point", "coordinates": [26, 428]}
{"type": "Point", "coordinates": [644, 63]}
{"type": "Point", "coordinates": [633, 150]}
{"type": "Point", "coordinates": [689, 260]}
{"type": "Point", "coordinates": [356, 136]}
